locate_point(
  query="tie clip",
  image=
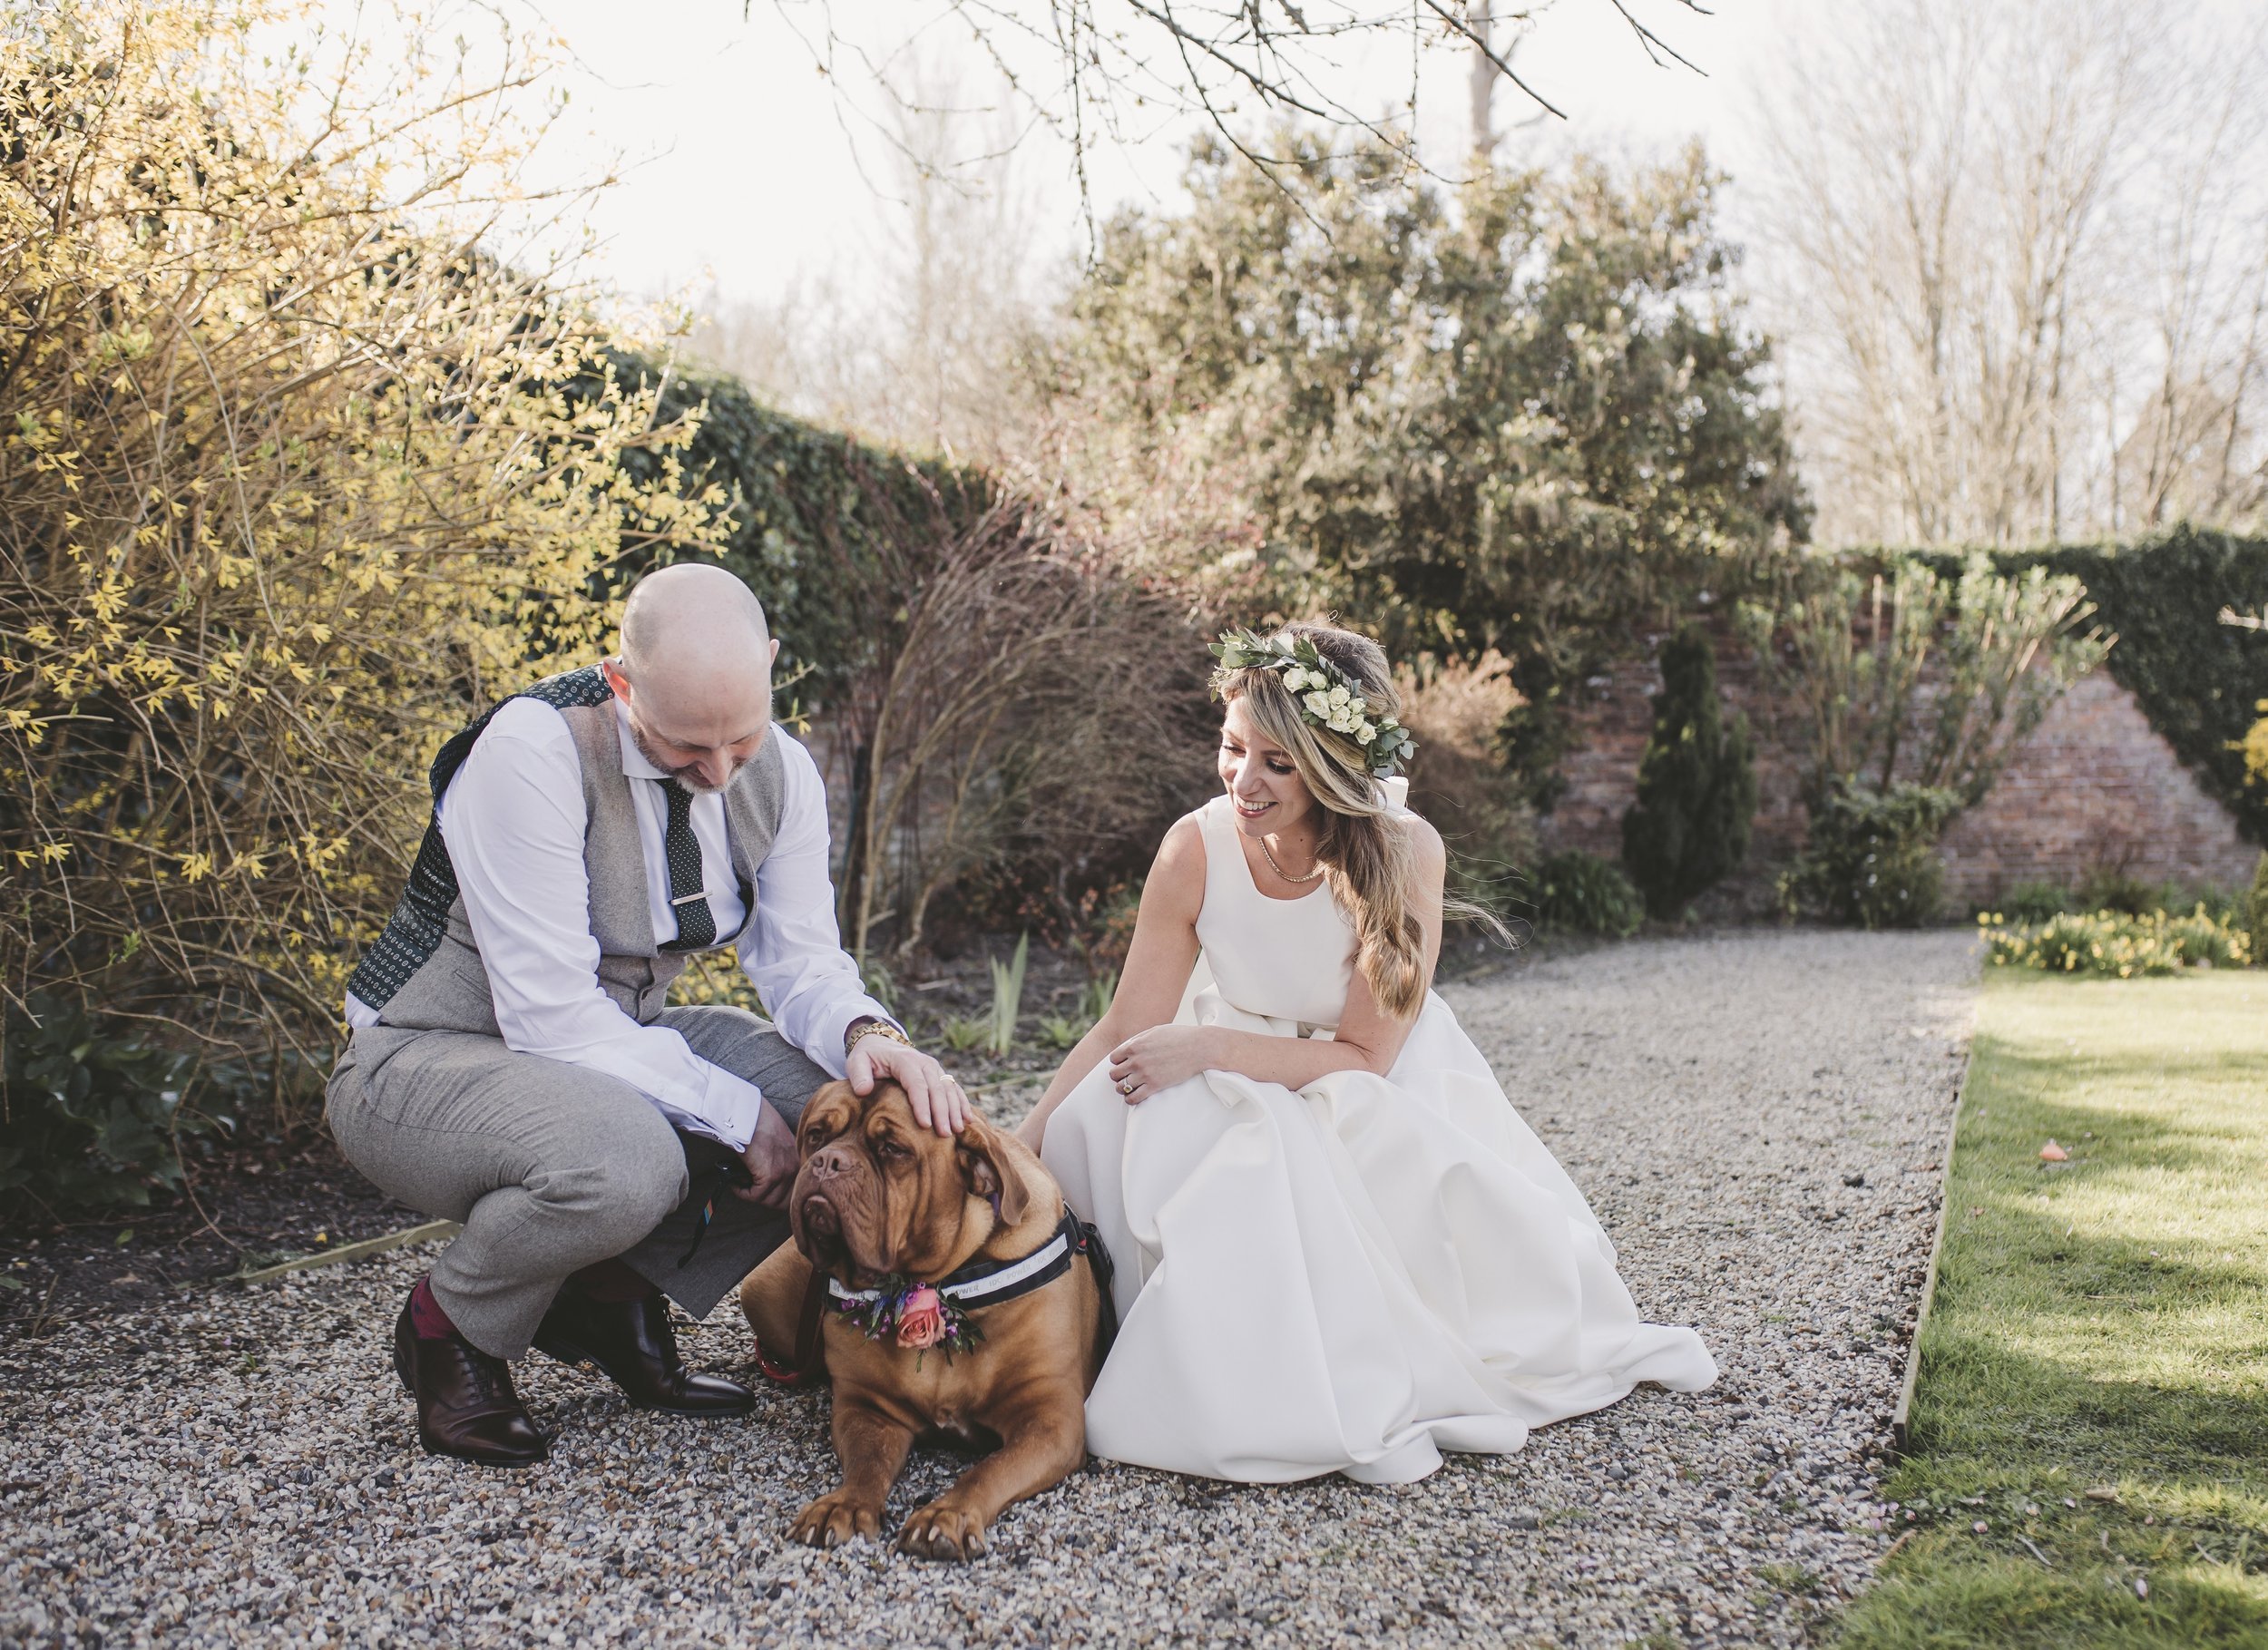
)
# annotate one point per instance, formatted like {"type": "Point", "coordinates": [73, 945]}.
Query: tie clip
{"type": "Point", "coordinates": [687, 899]}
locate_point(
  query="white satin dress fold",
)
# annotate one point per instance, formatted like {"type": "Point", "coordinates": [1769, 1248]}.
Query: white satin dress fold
{"type": "Point", "coordinates": [1353, 1277]}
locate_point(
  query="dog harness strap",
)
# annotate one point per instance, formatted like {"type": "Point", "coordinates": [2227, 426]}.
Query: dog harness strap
{"type": "Point", "coordinates": [1099, 1262]}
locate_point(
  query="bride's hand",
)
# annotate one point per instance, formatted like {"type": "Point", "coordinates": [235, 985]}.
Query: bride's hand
{"type": "Point", "coordinates": [1150, 1061]}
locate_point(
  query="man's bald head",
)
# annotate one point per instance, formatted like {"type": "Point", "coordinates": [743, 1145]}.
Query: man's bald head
{"type": "Point", "coordinates": [696, 661]}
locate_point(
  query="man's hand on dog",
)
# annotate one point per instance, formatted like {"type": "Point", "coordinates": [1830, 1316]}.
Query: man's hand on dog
{"type": "Point", "coordinates": [772, 1159]}
{"type": "Point", "coordinates": [937, 1101]}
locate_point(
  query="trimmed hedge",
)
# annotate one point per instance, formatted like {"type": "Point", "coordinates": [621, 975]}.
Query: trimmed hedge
{"type": "Point", "coordinates": [803, 501]}
{"type": "Point", "coordinates": [2199, 681]}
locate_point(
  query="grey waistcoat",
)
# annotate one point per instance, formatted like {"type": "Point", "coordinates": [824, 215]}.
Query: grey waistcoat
{"type": "Point", "coordinates": [425, 973]}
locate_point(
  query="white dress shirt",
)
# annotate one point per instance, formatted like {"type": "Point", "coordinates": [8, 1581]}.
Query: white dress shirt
{"type": "Point", "coordinates": [513, 819]}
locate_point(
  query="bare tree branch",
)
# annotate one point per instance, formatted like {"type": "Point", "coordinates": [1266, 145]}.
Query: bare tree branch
{"type": "Point", "coordinates": [1118, 63]}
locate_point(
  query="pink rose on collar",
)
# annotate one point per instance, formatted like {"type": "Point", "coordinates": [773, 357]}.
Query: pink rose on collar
{"type": "Point", "coordinates": [921, 1319]}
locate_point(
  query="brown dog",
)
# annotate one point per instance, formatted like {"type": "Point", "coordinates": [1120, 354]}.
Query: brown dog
{"type": "Point", "coordinates": [882, 1201]}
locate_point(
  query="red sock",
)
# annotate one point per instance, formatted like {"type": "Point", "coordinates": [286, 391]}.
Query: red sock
{"type": "Point", "coordinates": [427, 1322]}
{"type": "Point", "coordinates": [610, 1282]}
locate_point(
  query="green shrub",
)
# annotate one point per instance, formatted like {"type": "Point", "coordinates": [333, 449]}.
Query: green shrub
{"type": "Point", "coordinates": [1696, 795]}
{"type": "Point", "coordinates": [2103, 889]}
{"type": "Point", "coordinates": [1584, 894]}
{"type": "Point", "coordinates": [1871, 855]}
{"type": "Point", "coordinates": [2256, 908]}
{"type": "Point", "coordinates": [2035, 902]}
{"type": "Point", "coordinates": [2117, 944]}
{"type": "Point", "coordinates": [89, 1109]}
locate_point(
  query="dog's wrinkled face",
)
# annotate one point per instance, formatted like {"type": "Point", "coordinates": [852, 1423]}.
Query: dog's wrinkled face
{"type": "Point", "coordinates": [877, 1193]}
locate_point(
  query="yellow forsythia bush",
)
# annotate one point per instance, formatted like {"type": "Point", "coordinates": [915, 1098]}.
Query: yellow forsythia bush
{"type": "Point", "coordinates": [294, 475]}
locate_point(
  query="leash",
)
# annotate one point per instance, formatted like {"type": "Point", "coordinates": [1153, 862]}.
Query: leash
{"type": "Point", "coordinates": [802, 1366]}
{"type": "Point", "coordinates": [731, 1172]}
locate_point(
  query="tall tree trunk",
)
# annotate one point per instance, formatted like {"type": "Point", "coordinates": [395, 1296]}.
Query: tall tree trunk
{"type": "Point", "coordinates": [1480, 19]}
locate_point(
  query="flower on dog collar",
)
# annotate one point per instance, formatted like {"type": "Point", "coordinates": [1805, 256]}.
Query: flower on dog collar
{"type": "Point", "coordinates": [914, 1311]}
{"type": "Point", "coordinates": [1326, 697]}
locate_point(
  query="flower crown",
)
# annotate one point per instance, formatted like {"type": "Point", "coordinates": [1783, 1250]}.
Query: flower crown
{"type": "Point", "coordinates": [1326, 697]}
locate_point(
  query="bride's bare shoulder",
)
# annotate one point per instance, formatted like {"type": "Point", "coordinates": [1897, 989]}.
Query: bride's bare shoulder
{"type": "Point", "coordinates": [1429, 854]}
{"type": "Point", "coordinates": [1176, 876]}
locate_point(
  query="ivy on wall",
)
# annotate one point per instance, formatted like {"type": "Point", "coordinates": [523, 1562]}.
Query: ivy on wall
{"type": "Point", "coordinates": [804, 502]}
{"type": "Point", "coordinates": [2198, 681]}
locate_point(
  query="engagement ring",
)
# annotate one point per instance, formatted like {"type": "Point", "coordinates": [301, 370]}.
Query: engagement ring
{"type": "Point", "coordinates": [1126, 1087]}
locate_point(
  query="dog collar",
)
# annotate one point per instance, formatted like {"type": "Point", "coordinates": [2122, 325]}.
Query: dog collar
{"type": "Point", "coordinates": [989, 1283]}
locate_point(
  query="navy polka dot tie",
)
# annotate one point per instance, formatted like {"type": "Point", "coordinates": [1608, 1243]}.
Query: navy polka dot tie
{"type": "Point", "coordinates": [697, 924]}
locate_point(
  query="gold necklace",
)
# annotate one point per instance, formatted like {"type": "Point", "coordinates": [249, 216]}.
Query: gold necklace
{"type": "Point", "coordinates": [1286, 875]}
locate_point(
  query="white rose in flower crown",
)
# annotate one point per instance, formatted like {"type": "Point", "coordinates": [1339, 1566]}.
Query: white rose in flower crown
{"type": "Point", "coordinates": [1318, 704]}
{"type": "Point", "coordinates": [1339, 697]}
{"type": "Point", "coordinates": [1365, 731]}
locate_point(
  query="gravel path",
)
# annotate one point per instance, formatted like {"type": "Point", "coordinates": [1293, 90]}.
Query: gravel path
{"type": "Point", "coordinates": [1757, 1118]}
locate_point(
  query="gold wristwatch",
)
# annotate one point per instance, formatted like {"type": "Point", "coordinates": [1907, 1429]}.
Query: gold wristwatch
{"type": "Point", "coordinates": [863, 1029]}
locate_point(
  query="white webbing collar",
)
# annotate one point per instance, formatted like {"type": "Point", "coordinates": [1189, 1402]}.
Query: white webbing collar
{"type": "Point", "coordinates": [975, 1290]}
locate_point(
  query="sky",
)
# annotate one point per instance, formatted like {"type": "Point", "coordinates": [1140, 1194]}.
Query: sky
{"type": "Point", "coordinates": [743, 168]}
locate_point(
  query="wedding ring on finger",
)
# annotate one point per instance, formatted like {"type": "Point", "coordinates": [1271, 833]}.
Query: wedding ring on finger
{"type": "Point", "coordinates": [1129, 1086]}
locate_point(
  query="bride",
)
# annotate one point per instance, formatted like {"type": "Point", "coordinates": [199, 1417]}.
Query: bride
{"type": "Point", "coordinates": [1339, 1248]}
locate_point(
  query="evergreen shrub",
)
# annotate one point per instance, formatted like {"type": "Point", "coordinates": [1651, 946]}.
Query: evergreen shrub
{"type": "Point", "coordinates": [1581, 892]}
{"type": "Point", "coordinates": [1696, 795]}
{"type": "Point", "coordinates": [90, 1108]}
{"type": "Point", "coordinates": [1871, 855]}
{"type": "Point", "coordinates": [2034, 903]}
{"type": "Point", "coordinates": [2256, 908]}
{"type": "Point", "coordinates": [2108, 888]}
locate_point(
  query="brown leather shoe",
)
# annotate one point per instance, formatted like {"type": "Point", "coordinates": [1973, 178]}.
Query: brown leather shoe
{"type": "Point", "coordinates": [632, 1343]}
{"type": "Point", "coordinates": [465, 1404]}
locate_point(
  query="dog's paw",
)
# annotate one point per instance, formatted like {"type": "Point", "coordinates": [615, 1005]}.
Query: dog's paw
{"type": "Point", "coordinates": [835, 1518]}
{"type": "Point", "coordinates": [939, 1532]}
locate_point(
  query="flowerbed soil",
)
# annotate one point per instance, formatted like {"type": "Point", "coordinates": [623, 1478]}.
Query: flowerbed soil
{"type": "Point", "coordinates": [267, 1203]}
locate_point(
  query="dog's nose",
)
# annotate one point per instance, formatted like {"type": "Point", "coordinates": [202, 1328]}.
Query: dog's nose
{"type": "Point", "coordinates": [829, 1161]}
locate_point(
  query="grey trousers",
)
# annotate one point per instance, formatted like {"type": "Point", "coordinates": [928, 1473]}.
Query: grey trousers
{"type": "Point", "coordinates": [551, 1166]}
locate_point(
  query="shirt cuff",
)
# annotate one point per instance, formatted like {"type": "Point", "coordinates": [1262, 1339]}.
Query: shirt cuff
{"type": "Point", "coordinates": [835, 1023]}
{"type": "Point", "coordinates": [730, 1108]}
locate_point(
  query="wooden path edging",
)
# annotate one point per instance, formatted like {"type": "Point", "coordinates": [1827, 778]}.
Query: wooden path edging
{"type": "Point", "coordinates": [1900, 1418]}
{"type": "Point", "coordinates": [427, 1233]}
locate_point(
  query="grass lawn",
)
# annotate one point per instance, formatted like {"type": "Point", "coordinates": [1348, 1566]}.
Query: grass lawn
{"type": "Point", "coordinates": [2090, 1434]}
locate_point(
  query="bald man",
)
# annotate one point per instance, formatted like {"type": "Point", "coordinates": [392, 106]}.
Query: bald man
{"type": "Point", "coordinates": [514, 1064]}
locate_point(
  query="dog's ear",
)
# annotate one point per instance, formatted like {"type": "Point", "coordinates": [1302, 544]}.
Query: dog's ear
{"type": "Point", "coordinates": [987, 1169]}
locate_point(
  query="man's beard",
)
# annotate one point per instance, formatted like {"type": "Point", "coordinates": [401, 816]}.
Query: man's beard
{"type": "Point", "coordinates": [689, 776]}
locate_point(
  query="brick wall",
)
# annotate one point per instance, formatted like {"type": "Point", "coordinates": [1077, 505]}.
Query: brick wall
{"type": "Point", "coordinates": [2094, 787]}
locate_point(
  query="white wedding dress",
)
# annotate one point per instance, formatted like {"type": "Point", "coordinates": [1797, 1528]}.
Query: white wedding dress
{"type": "Point", "coordinates": [1349, 1278]}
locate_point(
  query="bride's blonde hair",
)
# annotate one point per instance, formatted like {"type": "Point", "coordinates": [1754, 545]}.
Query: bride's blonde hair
{"type": "Point", "coordinates": [1365, 853]}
